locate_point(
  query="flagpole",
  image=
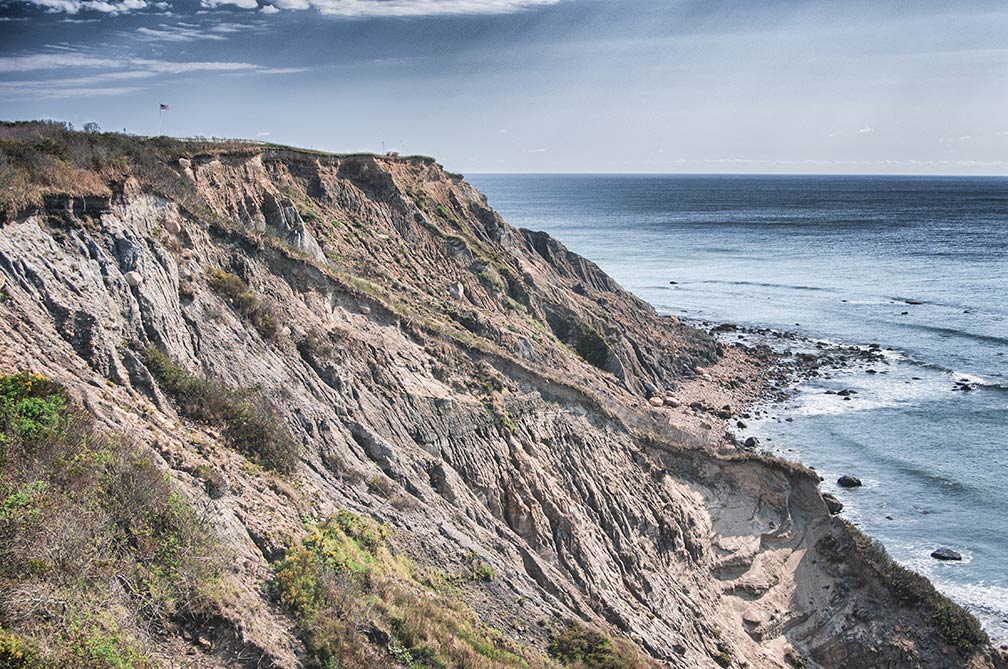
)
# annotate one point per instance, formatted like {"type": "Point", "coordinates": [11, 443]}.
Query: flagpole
{"type": "Point", "coordinates": [160, 119]}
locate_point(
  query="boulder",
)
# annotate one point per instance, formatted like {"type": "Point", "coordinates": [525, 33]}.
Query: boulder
{"type": "Point", "coordinates": [833, 505]}
{"type": "Point", "coordinates": [946, 554]}
{"type": "Point", "coordinates": [172, 225]}
{"type": "Point", "coordinates": [657, 401]}
{"type": "Point", "coordinates": [133, 278]}
{"type": "Point", "coordinates": [751, 443]}
{"type": "Point", "coordinates": [848, 481]}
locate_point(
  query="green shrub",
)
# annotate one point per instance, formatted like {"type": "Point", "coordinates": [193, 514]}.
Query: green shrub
{"type": "Point", "coordinates": [250, 424]}
{"type": "Point", "coordinates": [31, 406]}
{"type": "Point", "coordinates": [359, 605]}
{"type": "Point", "coordinates": [584, 339]}
{"type": "Point", "coordinates": [954, 624]}
{"type": "Point", "coordinates": [491, 279]}
{"type": "Point", "coordinates": [128, 542]}
{"type": "Point", "coordinates": [584, 648]}
{"type": "Point", "coordinates": [230, 286]}
{"type": "Point", "coordinates": [478, 569]}
{"type": "Point", "coordinates": [16, 652]}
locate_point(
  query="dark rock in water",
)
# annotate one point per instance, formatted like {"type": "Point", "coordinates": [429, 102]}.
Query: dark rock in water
{"type": "Point", "coordinates": [831, 392]}
{"type": "Point", "coordinates": [740, 425]}
{"type": "Point", "coordinates": [751, 443]}
{"type": "Point", "coordinates": [848, 481]}
{"type": "Point", "coordinates": [870, 371]}
{"type": "Point", "coordinates": [946, 554]}
{"type": "Point", "coordinates": [845, 393]}
{"type": "Point", "coordinates": [833, 505]}
{"type": "Point", "coordinates": [904, 313]}
{"type": "Point", "coordinates": [913, 302]}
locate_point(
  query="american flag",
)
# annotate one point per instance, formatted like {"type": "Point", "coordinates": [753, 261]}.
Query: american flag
{"type": "Point", "coordinates": [164, 107]}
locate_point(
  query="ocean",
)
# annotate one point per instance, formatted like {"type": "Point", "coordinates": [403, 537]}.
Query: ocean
{"type": "Point", "coordinates": [917, 265]}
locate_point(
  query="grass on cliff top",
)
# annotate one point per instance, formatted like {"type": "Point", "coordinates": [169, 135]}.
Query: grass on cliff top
{"type": "Point", "coordinates": [98, 553]}
{"type": "Point", "coordinates": [43, 157]}
{"type": "Point", "coordinates": [47, 157]}
{"type": "Point", "coordinates": [250, 424]}
{"type": "Point", "coordinates": [954, 624]}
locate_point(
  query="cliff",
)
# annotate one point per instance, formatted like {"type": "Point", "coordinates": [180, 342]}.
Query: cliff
{"type": "Point", "coordinates": [419, 436]}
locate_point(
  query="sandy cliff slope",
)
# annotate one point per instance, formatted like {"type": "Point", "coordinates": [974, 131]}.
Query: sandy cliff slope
{"type": "Point", "coordinates": [479, 390]}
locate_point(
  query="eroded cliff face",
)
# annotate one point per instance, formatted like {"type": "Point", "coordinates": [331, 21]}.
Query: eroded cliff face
{"type": "Point", "coordinates": [477, 388]}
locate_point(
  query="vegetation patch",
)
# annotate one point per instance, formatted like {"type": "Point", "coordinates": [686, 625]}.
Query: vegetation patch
{"type": "Point", "coordinates": [585, 340]}
{"type": "Point", "coordinates": [478, 569]}
{"type": "Point", "coordinates": [358, 604]}
{"type": "Point", "coordinates": [98, 553]}
{"type": "Point", "coordinates": [260, 314]}
{"type": "Point", "coordinates": [954, 624]}
{"type": "Point", "coordinates": [39, 158]}
{"type": "Point", "coordinates": [490, 278]}
{"type": "Point", "coordinates": [250, 424]}
{"type": "Point", "coordinates": [581, 647]}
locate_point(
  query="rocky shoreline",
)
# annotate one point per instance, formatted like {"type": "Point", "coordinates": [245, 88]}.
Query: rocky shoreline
{"type": "Point", "coordinates": [795, 360]}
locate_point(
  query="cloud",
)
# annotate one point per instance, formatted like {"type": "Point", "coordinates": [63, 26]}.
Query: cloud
{"type": "Point", "coordinates": [165, 33]}
{"type": "Point", "coordinates": [107, 76]}
{"type": "Point", "coordinates": [867, 130]}
{"type": "Point", "coordinates": [536, 151]}
{"type": "Point", "coordinates": [392, 8]}
{"type": "Point", "coordinates": [282, 70]}
{"type": "Point", "coordinates": [227, 28]}
{"type": "Point", "coordinates": [75, 6]}
{"type": "Point", "coordinates": [345, 8]}
{"type": "Point", "coordinates": [188, 32]}
{"type": "Point", "coordinates": [58, 61]}
{"type": "Point", "coordinates": [242, 4]}
{"type": "Point", "coordinates": [263, 134]}
{"type": "Point", "coordinates": [101, 84]}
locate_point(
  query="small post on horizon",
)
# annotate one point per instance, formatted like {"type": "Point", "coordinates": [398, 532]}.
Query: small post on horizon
{"type": "Point", "coordinates": [162, 108]}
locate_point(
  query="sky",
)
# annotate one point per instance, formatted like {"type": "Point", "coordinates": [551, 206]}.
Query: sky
{"type": "Point", "coordinates": [655, 86]}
